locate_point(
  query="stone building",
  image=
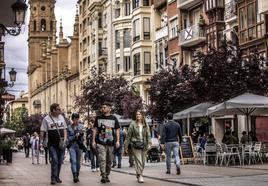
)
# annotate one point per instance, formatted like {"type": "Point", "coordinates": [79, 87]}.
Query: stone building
{"type": "Point", "coordinates": [53, 67]}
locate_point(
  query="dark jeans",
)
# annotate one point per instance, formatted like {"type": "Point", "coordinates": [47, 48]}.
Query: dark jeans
{"type": "Point", "coordinates": [46, 154]}
{"type": "Point", "coordinates": [56, 156]}
{"type": "Point", "coordinates": [26, 150]}
{"type": "Point", "coordinates": [94, 158]}
{"type": "Point", "coordinates": [118, 154]}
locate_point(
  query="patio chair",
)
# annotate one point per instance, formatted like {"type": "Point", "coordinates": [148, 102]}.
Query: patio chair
{"type": "Point", "coordinates": [210, 151]}
{"type": "Point", "coordinates": [257, 151]}
{"type": "Point", "coordinates": [247, 153]}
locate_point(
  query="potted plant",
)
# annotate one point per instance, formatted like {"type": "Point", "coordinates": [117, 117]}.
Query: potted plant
{"type": "Point", "coordinates": [6, 145]}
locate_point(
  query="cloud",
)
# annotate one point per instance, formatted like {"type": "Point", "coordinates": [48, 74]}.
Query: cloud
{"type": "Point", "coordinates": [16, 48]}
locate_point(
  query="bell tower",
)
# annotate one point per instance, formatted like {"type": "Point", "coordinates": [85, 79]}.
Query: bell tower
{"type": "Point", "coordinates": [41, 28]}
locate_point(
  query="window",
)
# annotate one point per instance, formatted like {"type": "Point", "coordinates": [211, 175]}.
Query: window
{"type": "Point", "coordinates": [117, 64]}
{"type": "Point", "coordinates": [43, 25]}
{"type": "Point", "coordinates": [127, 8]}
{"type": "Point", "coordinates": [117, 13]}
{"type": "Point", "coordinates": [212, 37]}
{"type": "Point", "coordinates": [147, 62]}
{"type": "Point", "coordinates": [136, 30]}
{"type": "Point", "coordinates": [127, 38]}
{"type": "Point", "coordinates": [127, 63]}
{"type": "Point", "coordinates": [34, 26]}
{"type": "Point", "coordinates": [137, 64]}
{"type": "Point", "coordinates": [146, 28]}
{"type": "Point", "coordinates": [242, 18]}
{"type": "Point", "coordinates": [146, 3]}
{"type": "Point", "coordinates": [173, 28]}
{"type": "Point", "coordinates": [99, 20]}
{"type": "Point", "coordinates": [117, 39]}
{"type": "Point", "coordinates": [135, 4]}
{"type": "Point", "coordinates": [251, 14]}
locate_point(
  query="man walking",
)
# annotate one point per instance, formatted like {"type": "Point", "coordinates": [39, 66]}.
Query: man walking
{"type": "Point", "coordinates": [105, 133]}
{"type": "Point", "coordinates": [26, 144]}
{"type": "Point", "coordinates": [54, 126]}
{"type": "Point", "coordinates": [171, 136]}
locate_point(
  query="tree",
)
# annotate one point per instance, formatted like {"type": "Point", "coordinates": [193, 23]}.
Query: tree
{"type": "Point", "coordinates": [16, 121]}
{"type": "Point", "coordinates": [171, 91]}
{"type": "Point", "coordinates": [223, 74]}
{"type": "Point", "coordinates": [116, 90]}
{"type": "Point", "coordinates": [33, 123]}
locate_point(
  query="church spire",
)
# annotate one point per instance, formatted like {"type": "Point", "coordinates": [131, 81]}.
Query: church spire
{"type": "Point", "coordinates": [76, 23]}
{"type": "Point", "coordinates": [61, 31]}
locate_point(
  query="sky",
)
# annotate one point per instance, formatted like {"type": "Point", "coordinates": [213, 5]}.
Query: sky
{"type": "Point", "coordinates": [16, 47]}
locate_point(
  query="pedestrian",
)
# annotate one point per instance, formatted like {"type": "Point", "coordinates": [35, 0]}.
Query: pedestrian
{"type": "Point", "coordinates": [105, 134]}
{"type": "Point", "coordinates": [35, 147]}
{"type": "Point", "coordinates": [139, 137]}
{"type": "Point", "coordinates": [172, 137]}
{"type": "Point", "coordinates": [118, 151]}
{"type": "Point", "coordinates": [26, 144]}
{"type": "Point", "coordinates": [54, 126]}
{"type": "Point", "coordinates": [75, 137]}
{"type": "Point", "coordinates": [252, 137]}
{"type": "Point", "coordinates": [94, 157]}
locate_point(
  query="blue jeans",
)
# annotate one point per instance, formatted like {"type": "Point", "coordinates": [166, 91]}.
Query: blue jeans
{"type": "Point", "coordinates": [75, 155]}
{"type": "Point", "coordinates": [118, 153]}
{"type": "Point", "coordinates": [94, 158]}
{"type": "Point", "coordinates": [56, 156]}
{"type": "Point", "coordinates": [175, 147]}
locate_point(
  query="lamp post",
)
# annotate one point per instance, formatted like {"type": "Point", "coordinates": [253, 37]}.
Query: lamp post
{"type": "Point", "coordinates": [19, 8]}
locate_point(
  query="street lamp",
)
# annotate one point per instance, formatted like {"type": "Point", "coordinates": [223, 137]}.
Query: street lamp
{"type": "Point", "coordinates": [19, 8]}
{"type": "Point", "coordinates": [13, 75]}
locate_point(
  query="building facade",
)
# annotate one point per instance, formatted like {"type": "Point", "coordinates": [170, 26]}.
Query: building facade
{"type": "Point", "coordinates": [53, 68]}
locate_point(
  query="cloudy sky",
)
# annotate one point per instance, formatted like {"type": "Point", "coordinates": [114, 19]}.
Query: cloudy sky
{"type": "Point", "coordinates": [16, 48]}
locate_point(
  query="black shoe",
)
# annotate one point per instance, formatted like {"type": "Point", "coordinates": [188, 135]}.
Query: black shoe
{"type": "Point", "coordinates": [178, 171]}
{"type": "Point", "coordinates": [103, 179]}
{"type": "Point", "coordinates": [75, 178]}
{"type": "Point", "coordinates": [113, 166]}
{"type": "Point", "coordinates": [53, 182]}
{"type": "Point", "coordinates": [119, 166]}
{"type": "Point", "coordinates": [107, 179]}
{"type": "Point", "coordinates": [168, 172]}
{"type": "Point", "coordinates": [58, 180]}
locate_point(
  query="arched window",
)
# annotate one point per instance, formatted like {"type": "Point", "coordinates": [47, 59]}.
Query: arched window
{"type": "Point", "coordinates": [34, 25]}
{"type": "Point", "coordinates": [51, 25]}
{"type": "Point", "coordinates": [43, 25]}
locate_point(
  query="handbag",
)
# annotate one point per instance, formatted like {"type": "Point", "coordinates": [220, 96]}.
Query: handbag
{"type": "Point", "coordinates": [61, 142]}
{"type": "Point", "coordinates": [138, 145]}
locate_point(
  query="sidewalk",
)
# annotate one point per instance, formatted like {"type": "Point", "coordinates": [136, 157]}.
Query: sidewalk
{"type": "Point", "coordinates": [22, 173]}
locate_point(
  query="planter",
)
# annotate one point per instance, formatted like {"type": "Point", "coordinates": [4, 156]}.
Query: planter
{"type": "Point", "coordinates": [7, 155]}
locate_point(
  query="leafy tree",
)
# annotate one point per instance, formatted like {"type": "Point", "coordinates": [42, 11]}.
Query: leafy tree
{"type": "Point", "coordinates": [33, 123]}
{"type": "Point", "coordinates": [223, 74]}
{"type": "Point", "coordinates": [116, 90]}
{"type": "Point", "coordinates": [171, 91]}
{"type": "Point", "coordinates": [16, 121]}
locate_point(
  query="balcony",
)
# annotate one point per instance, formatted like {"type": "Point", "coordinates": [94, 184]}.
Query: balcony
{"type": "Point", "coordinates": [230, 12]}
{"type": "Point", "coordinates": [191, 36]}
{"type": "Point", "coordinates": [263, 6]}
{"type": "Point", "coordinates": [158, 4]}
{"type": "Point", "coordinates": [161, 33]}
{"type": "Point", "coordinates": [103, 52]}
{"type": "Point", "coordinates": [186, 4]}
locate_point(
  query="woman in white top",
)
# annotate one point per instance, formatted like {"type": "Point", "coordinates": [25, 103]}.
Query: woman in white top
{"type": "Point", "coordinates": [138, 136]}
{"type": "Point", "coordinates": [35, 147]}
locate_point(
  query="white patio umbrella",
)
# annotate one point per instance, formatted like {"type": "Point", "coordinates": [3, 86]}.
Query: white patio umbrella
{"type": "Point", "coordinates": [6, 131]}
{"type": "Point", "coordinates": [196, 111]}
{"type": "Point", "coordinates": [245, 104]}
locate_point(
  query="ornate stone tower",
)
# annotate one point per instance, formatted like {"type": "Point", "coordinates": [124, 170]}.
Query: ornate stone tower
{"type": "Point", "coordinates": [42, 28]}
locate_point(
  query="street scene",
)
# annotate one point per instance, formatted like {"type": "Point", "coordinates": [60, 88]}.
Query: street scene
{"type": "Point", "coordinates": [127, 92]}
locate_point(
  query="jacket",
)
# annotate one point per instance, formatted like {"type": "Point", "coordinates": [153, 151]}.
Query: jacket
{"type": "Point", "coordinates": [133, 135]}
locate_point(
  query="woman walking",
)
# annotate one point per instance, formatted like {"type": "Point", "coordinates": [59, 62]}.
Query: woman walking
{"type": "Point", "coordinates": [138, 136]}
{"type": "Point", "coordinates": [35, 147]}
{"type": "Point", "coordinates": [74, 143]}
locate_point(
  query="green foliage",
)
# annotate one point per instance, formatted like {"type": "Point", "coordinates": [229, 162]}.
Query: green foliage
{"type": "Point", "coordinates": [16, 121]}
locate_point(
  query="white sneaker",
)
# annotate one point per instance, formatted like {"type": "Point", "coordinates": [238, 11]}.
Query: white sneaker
{"type": "Point", "coordinates": [93, 170]}
{"type": "Point", "coordinates": [140, 179]}
{"type": "Point", "coordinates": [98, 169]}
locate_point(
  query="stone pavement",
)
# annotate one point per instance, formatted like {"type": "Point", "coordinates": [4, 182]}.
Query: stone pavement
{"type": "Point", "coordinates": [22, 173]}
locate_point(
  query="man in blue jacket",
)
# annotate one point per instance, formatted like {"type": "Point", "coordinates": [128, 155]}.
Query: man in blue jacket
{"type": "Point", "coordinates": [171, 136]}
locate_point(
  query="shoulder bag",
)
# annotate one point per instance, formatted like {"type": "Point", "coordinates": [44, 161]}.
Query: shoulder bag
{"type": "Point", "coordinates": [61, 142]}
